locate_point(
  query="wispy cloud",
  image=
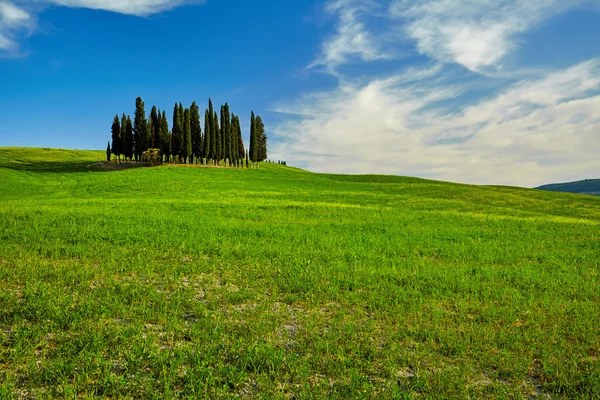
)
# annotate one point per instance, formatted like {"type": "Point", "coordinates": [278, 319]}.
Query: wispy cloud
{"type": "Point", "coordinates": [477, 34]}
{"type": "Point", "coordinates": [131, 7]}
{"type": "Point", "coordinates": [533, 132]}
{"type": "Point", "coordinates": [18, 21]}
{"type": "Point", "coordinates": [501, 127]}
{"type": "Point", "coordinates": [13, 21]}
{"type": "Point", "coordinates": [352, 41]}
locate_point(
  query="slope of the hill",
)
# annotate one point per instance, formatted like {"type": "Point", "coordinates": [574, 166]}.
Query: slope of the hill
{"type": "Point", "coordinates": [588, 186]}
{"type": "Point", "coordinates": [176, 282]}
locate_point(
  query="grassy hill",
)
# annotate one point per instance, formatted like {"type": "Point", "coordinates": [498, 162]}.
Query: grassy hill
{"type": "Point", "coordinates": [176, 282]}
{"type": "Point", "coordinates": [588, 186]}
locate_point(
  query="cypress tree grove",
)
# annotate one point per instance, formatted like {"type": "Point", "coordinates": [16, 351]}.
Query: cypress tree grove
{"type": "Point", "coordinates": [176, 134]}
{"type": "Point", "coordinates": [165, 137]}
{"type": "Point", "coordinates": [196, 133]}
{"type": "Point", "coordinates": [187, 136]}
{"type": "Point", "coordinates": [116, 137]}
{"type": "Point", "coordinates": [261, 139]}
{"type": "Point", "coordinates": [140, 129]}
{"type": "Point", "coordinates": [207, 136]}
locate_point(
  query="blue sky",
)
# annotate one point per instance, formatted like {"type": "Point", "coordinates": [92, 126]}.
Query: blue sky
{"type": "Point", "coordinates": [474, 91]}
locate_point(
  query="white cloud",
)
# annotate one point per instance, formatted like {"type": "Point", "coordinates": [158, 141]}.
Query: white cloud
{"type": "Point", "coordinates": [352, 40]}
{"type": "Point", "coordinates": [534, 132]}
{"type": "Point", "coordinates": [13, 20]}
{"type": "Point", "coordinates": [16, 20]}
{"type": "Point", "coordinates": [477, 34]}
{"type": "Point", "coordinates": [131, 7]}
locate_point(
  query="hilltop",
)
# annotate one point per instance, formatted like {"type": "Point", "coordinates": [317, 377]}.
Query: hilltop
{"type": "Point", "coordinates": [237, 283]}
{"type": "Point", "coordinates": [588, 186]}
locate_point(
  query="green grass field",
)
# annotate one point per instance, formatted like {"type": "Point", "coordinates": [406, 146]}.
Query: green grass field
{"type": "Point", "coordinates": [174, 282]}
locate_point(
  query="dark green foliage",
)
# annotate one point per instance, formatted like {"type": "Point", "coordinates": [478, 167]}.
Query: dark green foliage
{"type": "Point", "coordinates": [140, 128]}
{"type": "Point", "coordinates": [247, 160]}
{"type": "Point", "coordinates": [213, 133]}
{"type": "Point", "coordinates": [218, 141]}
{"type": "Point", "coordinates": [241, 151]}
{"type": "Point", "coordinates": [128, 139]}
{"type": "Point", "coordinates": [226, 145]}
{"type": "Point", "coordinates": [123, 129]}
{"type": "Point", "coordinates": [154, 128]}
{"type": "Point", "coordinates": [165, 137]}
{"type": "Point", "coordinates": [253, 140]}
{"type": "Point", "coordinates": [221, 140]}
{"type": "Point", "coordinates": [176, 137]}
{"type": "Point", "coordinates": [186, 150]}
{"type": "Point", "coordinates": [116, 137]}
{"type": "Point", "coordinates": [234, 140]}
{"type": "Point", "coordinates": [207, 135]}
{"type": "Point", "coordinates": [261, 139]}
{"type": "Point", "coordinates": [196, 132]}
{"type": "Point", "coordinates": [108, 152]}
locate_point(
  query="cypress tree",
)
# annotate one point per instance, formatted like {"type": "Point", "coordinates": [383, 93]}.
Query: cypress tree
{"type": "Point", "coordinates": [207, 135]}
{"type": "Point", "coordinates": [253, 139]}
{"type": "Point", "coordinates": [218, 141]}
{"type": "Point", "coordinates": [226, 132]}
{"type": "Point", "coordinates": [155, 128]}
{"type": "Point", "coordinates": [247, 161]}
{"type": "Point", "coordinates": [140, 129]}
{"type": "Point", "coordinates": [128, 139]}
{"type": "Point", "coordinates": [261, 137]}
{"type": "Point", "coordinates": [241, 150]}
{"type": "Point", "coordinates": [116, 137]}
{"type": "Point", "coordinates": [158, 131]}
{"type": "Point", "coordinates": [165, 137]}
{"type": "Point", "coordinates": [196, 132]}
{"type": "Point", "coordinates": [176, 134]}
{"type": "Point", "coordinates": [234, 140]}
{"type": "Point", "coordinates": [123, 139]}
{"type": "Point", "coordinates": [108, 152]}
{"type": "Point", "coordinates": [186, 150]}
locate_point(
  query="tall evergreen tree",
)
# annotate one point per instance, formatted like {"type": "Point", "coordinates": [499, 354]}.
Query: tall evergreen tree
{"type": "Point", "coordinates": [176, 142]}
{"type": "Point", "coordinates": [155, 129]}
{"type": "Point", "coordinates": [186, 150]}
{"type": "Point", "coordinates": [261, 139]}
{"type": "Point", "coordinates": [108, 152]}
{"type": "Point", "coordinates": [165, 137]}
{"type": "Point", "coordinates": [241, 149]}
{"type": "Point", "coordinates": [253, 139]}
{"type": "Point", "coordinates": [128, 139]}
{"type": "Point", "coordinates": [140, 129]}
{"type": "Point", "coordinates": [234, 140]}
{"type": "Point", "coordinates": [218, 138]}
{"type": "Point", "coordinates": [225, 132]}
{"type": "Point", "coordinates": [123, 129]}
{"type": "Point", "coordinates": [196, 132]}
{"type": "Point", "coordinates": [207, 135]}
{"type": "Point", "coordinates": [116, 137]}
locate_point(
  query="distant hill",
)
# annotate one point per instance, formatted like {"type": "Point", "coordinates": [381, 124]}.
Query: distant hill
{"type": "Point", "coordinates": [588, 186]}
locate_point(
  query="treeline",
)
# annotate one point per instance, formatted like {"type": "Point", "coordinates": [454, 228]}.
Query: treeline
{"type": "Point", "coordinates": [219, 143]}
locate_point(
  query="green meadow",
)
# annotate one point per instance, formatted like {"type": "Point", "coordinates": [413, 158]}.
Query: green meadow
{"type": "Point", "coordinates": [181, 282]}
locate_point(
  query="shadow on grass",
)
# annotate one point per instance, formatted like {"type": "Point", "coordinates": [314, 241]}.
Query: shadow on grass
{"type": "Point", "coordinates": [65, 167]}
